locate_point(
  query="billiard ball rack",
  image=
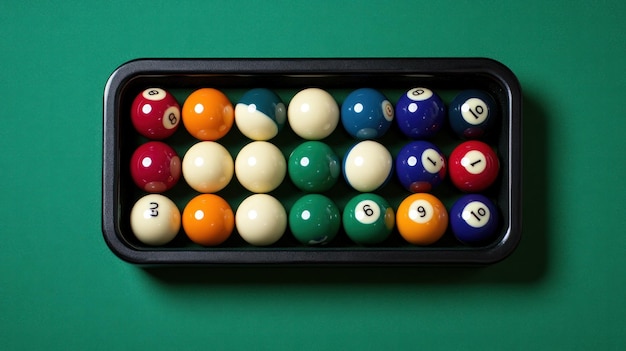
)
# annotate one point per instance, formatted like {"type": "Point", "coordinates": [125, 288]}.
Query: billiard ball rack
{"type": "Point", "coordinates": [392, 76]}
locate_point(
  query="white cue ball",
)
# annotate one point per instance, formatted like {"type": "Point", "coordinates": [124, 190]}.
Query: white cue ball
{"type": "Point", "coordinates": [260, 167]}
{"type": "Point", "coordinates": [367, 166]}
{"type": "Point", "coordinates": [313, 114]}
{"type": "Point", "coordinates": [207, 167]}
{"type": "Point", "coordinates": [155, 220]}
{"type": "Point", "coordinates": [261, 220]}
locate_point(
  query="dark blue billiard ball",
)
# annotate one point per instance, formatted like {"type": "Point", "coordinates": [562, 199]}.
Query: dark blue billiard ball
{"type": "Point", "coordinates": [260, 114]}
{"type": "Point", "coordinates": [471, 114]}
{"type": "Point", "coordinates": [420, 166]}
{"type": "Point", "coordinates": [474, 219]}
{"type": "Point", "coordinates": [420, 113]}
{"type": "Point", "coordinates": [366, 114]}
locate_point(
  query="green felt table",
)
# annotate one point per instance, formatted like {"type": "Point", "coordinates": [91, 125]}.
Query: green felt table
{"type": "Point", "coordinates": [563, 288]}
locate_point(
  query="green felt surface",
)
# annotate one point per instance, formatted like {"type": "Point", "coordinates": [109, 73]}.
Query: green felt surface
{"type": "Point", "coordinates": [62, 288]}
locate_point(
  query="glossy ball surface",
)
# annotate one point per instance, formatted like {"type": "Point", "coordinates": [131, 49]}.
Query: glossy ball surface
{"type": "Point", "coordinates": [313, 167]}
{"type": "Point", "coordinates": [208, 220]}
{"type": "Point", "coordinates": [155, 220]}
{"type": "Point", "coordinates": [155, 167]}
{"type": "Point", "coordinates": [367, 166]}
{"type": "Point", "coordinates": [366, 114]}
{"type": "Point", "coordinates": [314, 219]}
{"type": "Point", "coordinates": [208, 114]}
{"type": "Point", "coordinates": [260, 114]}
{"type": "Point", "coordinates": [474, 166]}
{"type": "Point", "coordinates": [261, 220]}
{"type": "Point", "coordinates": [313, 114]}
{"type": "Point", "coordinates": [260, 167]}
{"type": "Point", "coordinates": [207, 167]}
{"type": "Point", "coordinates": [368, 219]}
{"type": "Point", "coordinates": [155, 114]}
{"type": "Point", "coordinates": [420, 113]}
{"type": "Point", "coordinates": [421, 219]}
{"type": "Point", "coordinates": [420, 166]}
{"type": "Point", "coordinates": [471, 114]}
{"type": "Point", "coordinates": [474, 219]}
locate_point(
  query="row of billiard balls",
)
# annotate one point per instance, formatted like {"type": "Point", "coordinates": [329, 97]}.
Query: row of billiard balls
{"type": "Point", "coordinates": [313, 114]}
{"type": "Point", "coordinates": [314, 219]}
{"type": "Point", "coordinates": [313, 166]}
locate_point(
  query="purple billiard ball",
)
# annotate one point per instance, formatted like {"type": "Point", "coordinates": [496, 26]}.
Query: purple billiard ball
{"type": "Point", "coordinates": [420, 166]}
{"type": "Point", "coordinates": [474, 219]}
{"type": "Point", "coordinates": [420, 113]}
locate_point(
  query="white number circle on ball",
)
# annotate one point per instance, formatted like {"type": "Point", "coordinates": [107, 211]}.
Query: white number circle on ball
{"type": "Point", "coordinates": [432, 161]}
{"type": "Point", "coordinates": [419, 94]}
{"type": "Point", "coordinates": [367, 212]}
{"type": "Point", "coordinates": [476, 214]}
{"type": "Point", "coordinates": [474, 111]}
{"type": "Point", "coordinates": [421, 211]}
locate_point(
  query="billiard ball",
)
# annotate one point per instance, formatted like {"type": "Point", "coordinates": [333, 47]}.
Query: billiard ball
{"type": "Point", "coordinates": [421, 219]}
{"type": "Point", "coordinates": [367, 166]}
{"type": "Point", "coordinates": [208, 220]}
{"type": "Point", "coordinates": [260, 167]}
{"type": "Point", "coordinates": [261, 220]}
{"type": "Point", "coordinates": [314, 219]}
{"type": "Point", "coordinates": [155, 220]}
{"type": "Point", "coordinates": [207, 167]}
{"type": "Point", "coordinates": [313, 167]}
{"type": "Point", "coordinates": [368, 219]}
{"type": "Point", "coordinates": [260, 114]}
{"type": "Point", "coordinates": [208, 114]}
{"type": "Point", "coordinates": [420, 113]}
{"type": "Point", "coordinates": [471, 114]}
{"type": "Point", "coordinates": [313, 114]}
{"type": "Point", "coordinates": [155, 167]}
{"type": "Point", "coordinates": [366, 114]}
{"type": "Point", "coordinates": [155, 113]}
{"type": "Point", "coordinates": [474, 166]}
{"type": "Point", "coordinates": [420, 166]}
{"type": "Point", "coordinates": [473, 219]}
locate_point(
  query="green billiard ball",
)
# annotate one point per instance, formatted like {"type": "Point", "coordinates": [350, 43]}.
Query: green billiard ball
{"type": "Point", "coordinates": [314, 219]}
{"type": "Point", "coordinates": [368, 219]}
{"type": "Point", "coordinates": [313, 167]}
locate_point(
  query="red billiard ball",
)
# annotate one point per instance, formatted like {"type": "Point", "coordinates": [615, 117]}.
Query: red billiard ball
{"type": "Point", "coordinates": [155, 167]}
{"type": "Point", "coordinates": [155, 113]}
{"type": "Point", "coordinates": [473, 166]}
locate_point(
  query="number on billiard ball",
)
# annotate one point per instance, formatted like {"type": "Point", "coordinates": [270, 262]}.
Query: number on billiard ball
{"type": "Point", "coordinates": [420, 113]}
{"type": "Point", "coordinates": [420, 166]}
{"type": "Point", "coordinates": [473, 166]}
{"type": "Point", "coordinates": [474, 219]}
{"type": "Point", "coordinates": [472, 113]}
{"type": "Point", "coordinates": [155, 113]}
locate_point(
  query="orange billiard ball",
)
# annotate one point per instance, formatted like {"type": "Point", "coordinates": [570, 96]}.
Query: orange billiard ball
{"type": "Point", "coordinates": [208, 114]}
{"type": "Point", "coordinates": [421, 219]}
{"type": "Point", "coordinates": [208, 220]}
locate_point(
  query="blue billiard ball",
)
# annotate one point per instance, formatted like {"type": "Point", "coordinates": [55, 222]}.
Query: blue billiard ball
{"type": "Point", "coordinates": [474, 219]}
{"type": "Point", "coordinates": [471, 114]}
{"type": "Point", "coordinates": [260, 114]}
{"type": "Point", "coordinates": [420, 113]}
{"type": "Point", "coordinates": [420, 166]}
{"type": "Point", "coordinates": [366, 114]}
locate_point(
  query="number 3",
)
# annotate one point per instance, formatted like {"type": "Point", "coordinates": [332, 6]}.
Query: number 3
{"type": "Point", "coordinates": [153, 209]}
